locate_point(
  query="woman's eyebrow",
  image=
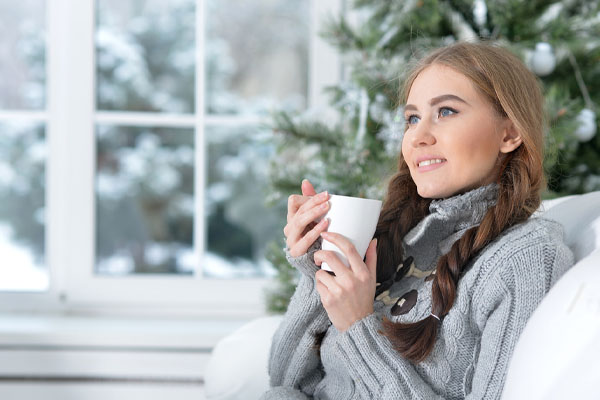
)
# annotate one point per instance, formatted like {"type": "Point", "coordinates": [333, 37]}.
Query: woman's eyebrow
{"type": "Point", "coordinates": [437, 100]}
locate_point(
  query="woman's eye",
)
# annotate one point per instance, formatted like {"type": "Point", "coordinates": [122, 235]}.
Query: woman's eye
{"type": "Point", "coordinates": [412, 119]}
{"type": "Point", "coordinates": [445, 111]}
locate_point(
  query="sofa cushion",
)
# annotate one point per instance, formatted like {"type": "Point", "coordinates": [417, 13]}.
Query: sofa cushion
{"type": "Point", "coordinates": [556, 356]}
{"type": "Point", "coordinates": [580, 217]}
{"type": "Point", "coordinates": [237, 369]}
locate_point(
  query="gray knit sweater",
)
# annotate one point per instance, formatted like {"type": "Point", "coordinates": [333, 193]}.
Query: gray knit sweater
{"type": "Point", "coordinates": [498, 292]}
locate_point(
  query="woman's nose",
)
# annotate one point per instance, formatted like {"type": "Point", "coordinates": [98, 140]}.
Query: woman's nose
{"type": "Point", "coordinates": [422, 134]}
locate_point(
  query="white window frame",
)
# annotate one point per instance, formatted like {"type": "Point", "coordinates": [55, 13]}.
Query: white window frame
{"type": "Point", "coordinates": [70, 175]}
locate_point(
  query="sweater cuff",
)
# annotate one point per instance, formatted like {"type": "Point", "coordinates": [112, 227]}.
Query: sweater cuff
{"type": "Point", "coordinates": [305, 263]}
{"type": "Point", "coordinates": [354, 346]}
{"type": "Point", "coordinates": [367, 355]}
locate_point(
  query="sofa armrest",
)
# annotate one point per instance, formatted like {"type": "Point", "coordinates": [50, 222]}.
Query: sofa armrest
{"type": "Point", "coordinates": [237, 368]}
{"type": "Point", "coordinates": [556, 356]}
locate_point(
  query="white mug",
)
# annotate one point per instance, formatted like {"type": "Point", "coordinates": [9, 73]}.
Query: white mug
{"type": "Point", "coordinates": [356, 219]}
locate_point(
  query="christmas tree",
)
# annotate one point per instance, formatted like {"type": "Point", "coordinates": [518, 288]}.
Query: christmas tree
{"type": "Point", "coordinates": [378, 39]}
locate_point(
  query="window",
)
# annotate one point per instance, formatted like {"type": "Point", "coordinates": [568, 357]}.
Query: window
{"type": "Point", "coordinates": [23, 147]}
{"type": "Point", "coordinates": [143, 147]}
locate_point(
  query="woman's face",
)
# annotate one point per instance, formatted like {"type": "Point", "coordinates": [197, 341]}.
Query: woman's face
{"type": "Point", "coordinates": [449, 120]}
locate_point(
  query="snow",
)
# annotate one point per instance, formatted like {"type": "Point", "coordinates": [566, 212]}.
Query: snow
{"type": "Point", "coordinates": [213, 265]}
{"type": "Point", "coordinates": [117, 264]}
{"type": "Point", "coordinates": [7, 175]}
{"type": "Point", "coordinates": [18, 270]}
{"type": "Point", "coordinates": [157, 253]}
{"type": "Point", "coordinates": [111, 187]}
{"type": "Point", "coordinates": [165, 178]}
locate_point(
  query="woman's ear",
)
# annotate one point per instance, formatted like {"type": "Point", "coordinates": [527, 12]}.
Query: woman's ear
{"type": "Point", "coordinates": [511, 139]}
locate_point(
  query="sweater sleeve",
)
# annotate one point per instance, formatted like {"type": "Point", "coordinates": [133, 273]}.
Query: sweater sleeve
{"type": "Point", "coordinates": [294, 362]}
{"type": "Point", "coordinates": [380, 372]}
{"type": "Point", "coordinates": [506, 303]}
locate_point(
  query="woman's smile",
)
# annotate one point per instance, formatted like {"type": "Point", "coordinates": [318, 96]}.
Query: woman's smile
{"type": "Point", "coordinates": [430, 165]}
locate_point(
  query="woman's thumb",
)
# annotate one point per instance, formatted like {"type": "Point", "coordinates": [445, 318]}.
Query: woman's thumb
{"type": "Point", "coordinates": [307, 188]}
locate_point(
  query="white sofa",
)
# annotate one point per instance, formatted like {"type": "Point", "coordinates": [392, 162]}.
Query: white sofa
{"type": "Point", "coordinates": [558, 353]}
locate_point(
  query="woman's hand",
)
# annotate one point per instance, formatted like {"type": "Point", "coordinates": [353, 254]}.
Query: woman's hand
{"type": "Point", "coordinates": [301, 230]}
{"type": "Point", "coordinates": [348, 296]}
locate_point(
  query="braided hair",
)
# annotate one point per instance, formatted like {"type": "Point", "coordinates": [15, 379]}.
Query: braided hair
{"type": "Point", "coordinates": [515, 93]}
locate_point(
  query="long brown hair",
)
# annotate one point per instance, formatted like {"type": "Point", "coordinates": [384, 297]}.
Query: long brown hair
{"type": "Point", "coordinates": [515, 93]}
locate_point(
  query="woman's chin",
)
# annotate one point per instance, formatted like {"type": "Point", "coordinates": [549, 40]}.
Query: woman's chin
{"type": "Point", "coordinates": [430, 191]}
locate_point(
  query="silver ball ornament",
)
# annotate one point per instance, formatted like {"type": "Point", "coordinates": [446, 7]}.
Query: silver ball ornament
{"type": "Point", "coordinates": [587, 125]}
{"type": "Point", "coordinates": [543, 60]}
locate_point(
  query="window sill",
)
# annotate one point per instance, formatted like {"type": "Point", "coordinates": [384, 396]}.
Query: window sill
{"type": "Point", "coordinates": [68, 354]}
{"type": "Point", "coordinates": [127, 333]}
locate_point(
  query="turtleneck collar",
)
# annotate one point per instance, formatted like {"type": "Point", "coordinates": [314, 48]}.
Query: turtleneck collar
{"type": "Point", "coordinates": [449, 218]}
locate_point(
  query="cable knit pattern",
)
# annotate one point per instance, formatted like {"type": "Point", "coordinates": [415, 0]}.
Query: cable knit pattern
{"type": "Point", "coordinates": [498, 292]}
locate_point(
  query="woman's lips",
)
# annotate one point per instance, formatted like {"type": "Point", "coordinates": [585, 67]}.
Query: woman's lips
{"type": "Point", "coordinates": [431, 167]}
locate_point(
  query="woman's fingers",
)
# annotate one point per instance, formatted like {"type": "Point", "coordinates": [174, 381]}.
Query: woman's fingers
{"type": "Point", "coordinates": [298, 225]}
{"type": "Point", "coordinates": [303, 216]}
{"type": "Point", "coordinates": [314, 201]}
{"type": "Point", "coordinates": [332, 259]}
{"type": "Point", "coordinates": [309, 227]}
{"type": "Point", "coordinates": [295, 201]}
{"type": "Point", "coordinates": [308, 212]}
{"type": "Point", "coordinates": [304, 210]}
{"type": "Point", "coordinates": [306, 217]}
{"type": "Point", "coordinates": [328, 282]}
{"type": "Point", "coordinates": [302, 245]}
{"type": "Point", "coordinates": [347, 247]}
{"type": "Point", "coordinates": [298, 203]}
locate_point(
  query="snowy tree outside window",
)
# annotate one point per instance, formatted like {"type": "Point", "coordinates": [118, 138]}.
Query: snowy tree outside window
{"type": "Point", "coordinates": [256, 60]}
{"type": "Point", "coordinates": [22, 147]}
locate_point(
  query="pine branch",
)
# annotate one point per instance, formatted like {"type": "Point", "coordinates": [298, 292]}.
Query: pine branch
{"type": "Point", "coordinates": [340, 34]}
{"type": "Point", "coordinates": [314, 132]}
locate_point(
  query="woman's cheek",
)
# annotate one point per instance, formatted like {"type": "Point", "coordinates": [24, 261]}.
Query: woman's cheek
{"type": "Point", "coordinates": [406, 153]}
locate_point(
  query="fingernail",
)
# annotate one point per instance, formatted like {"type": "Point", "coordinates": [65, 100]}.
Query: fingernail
{"type": "Point", "coordinates": [323, 195]}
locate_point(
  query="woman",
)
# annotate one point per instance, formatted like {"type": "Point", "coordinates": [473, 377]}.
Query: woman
{"type": "Point", "coordinates": [458, 263]}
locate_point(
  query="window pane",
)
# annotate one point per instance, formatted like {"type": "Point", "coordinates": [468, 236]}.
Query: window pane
{"type": "Point", "coordinates": [145, 54]}
{"type": "Point", "coordinates": [22, 214]}
{"type": "Point", "coordinates": [239, 224]}
{"type": "Point", "coordinates": [256, 55]}
{"type": "Point", "coordinates": [145, 200]}
{"type": "Point", "coordinates": [22, 54]}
